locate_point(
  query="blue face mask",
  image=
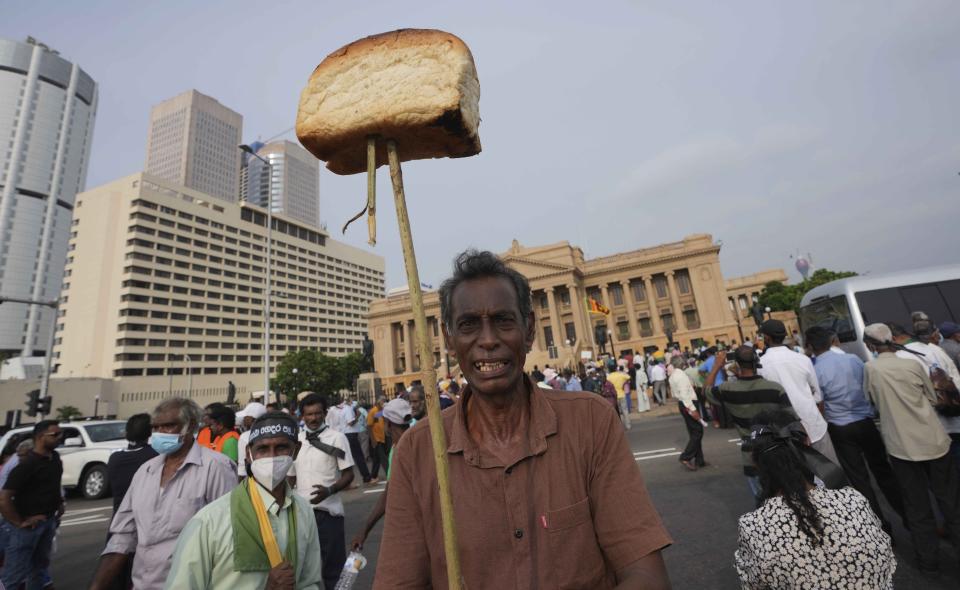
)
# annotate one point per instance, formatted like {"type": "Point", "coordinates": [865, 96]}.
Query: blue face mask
{"type": "Point", "coordinates": [165, 443]}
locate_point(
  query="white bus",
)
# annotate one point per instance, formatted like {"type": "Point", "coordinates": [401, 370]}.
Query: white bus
{"type": "Point", "coordinates": [847, 305]}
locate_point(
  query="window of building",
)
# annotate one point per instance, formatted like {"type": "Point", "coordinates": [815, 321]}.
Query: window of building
{"type": "Point", "coordinates": [660, 286]}
{"type": "Point", "coordinates": [615, 291]}
{"type": "Point", "coordinates": [623, 330]}
{"type": "Point", "coordinates": [639, 292]}
{"type": "Point", "coordinates": [570, 332]}
{"type": "Point", "coordinates": [646, 329]}
{"type": "Point", "coordinates": [564, 295]}
{"type": "Point", "coordinates": [691, 319]}
{"type": "Point", "coordinates": [666, 320]}
{"type": "Point", "coordinates": [682, 278]}
{"type": "Point", "coordinates": [548, 336]}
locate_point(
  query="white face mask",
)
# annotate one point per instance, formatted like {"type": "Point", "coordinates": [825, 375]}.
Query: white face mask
{"type": "Point", "coordinates": [271, 471]}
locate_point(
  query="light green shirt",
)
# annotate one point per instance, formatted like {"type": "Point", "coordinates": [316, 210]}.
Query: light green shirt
{"type": "Point", "coordinates": [203, 559]}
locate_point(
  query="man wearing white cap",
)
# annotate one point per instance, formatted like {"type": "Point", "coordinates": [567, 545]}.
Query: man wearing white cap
{"type": "Point", "coordinates": [247, 416]}
{"type": "Point", "coordinates": [397, 414]}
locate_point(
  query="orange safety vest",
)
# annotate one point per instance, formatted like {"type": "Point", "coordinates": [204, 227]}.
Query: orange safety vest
{"type": "Point", "coordinates": [218, 444]}
{"type": "Point", "coordinates": [203, 438]}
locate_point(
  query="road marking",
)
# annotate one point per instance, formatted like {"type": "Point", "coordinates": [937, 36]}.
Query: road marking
{"type": "Point", "coordinates": [89, 520]}
{"type": "Point", "coordinates": [654, 451]}
{"type": "Point", "coordinates": [86, 510]}
{"type": "Point", "coordinates": [657, 456]}
{"type": "Point", "coordinates": [734, 440]}
{"type": "Point", "coordinates": [375, 491]}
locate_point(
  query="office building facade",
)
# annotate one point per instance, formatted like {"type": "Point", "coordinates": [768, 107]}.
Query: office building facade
{"type": "Point", "coordinates": [192, 141]}
{"type": "Point", "coordinates": [290, 183]}
{"type": "Point", "coordinates": [162, 280]}
{"type": "Point", "coordinates": [47, 111]}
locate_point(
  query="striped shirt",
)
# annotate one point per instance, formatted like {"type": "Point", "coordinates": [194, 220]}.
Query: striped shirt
{"type": "Point", "coordinates": [744, 399]}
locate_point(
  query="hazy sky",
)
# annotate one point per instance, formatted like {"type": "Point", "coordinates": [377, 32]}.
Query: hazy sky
{"type": "Point", "coordinates": [828, 127]}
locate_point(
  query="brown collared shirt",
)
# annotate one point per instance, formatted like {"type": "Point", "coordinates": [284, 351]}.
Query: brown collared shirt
{"type": "Point", "coordinates": [568, 512]}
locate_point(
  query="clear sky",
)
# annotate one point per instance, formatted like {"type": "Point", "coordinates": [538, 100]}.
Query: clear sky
{"type": "Point", "coordinates": [828, 127]}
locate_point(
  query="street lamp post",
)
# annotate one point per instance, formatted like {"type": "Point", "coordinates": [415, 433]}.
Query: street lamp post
{"type": "Point", "coordinates": [189, 360]}
{"type": "Point", "coordinates": [48, 358]}
{"type": "Point", "coordinates": [266, 306]}
{"type": "Point", "coordinates": [96, 406]}
{"type": "Point", "coordinates": [613, 351]}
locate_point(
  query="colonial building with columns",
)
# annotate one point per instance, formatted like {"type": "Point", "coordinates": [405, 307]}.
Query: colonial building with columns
{"type": "Point", "coordinates": [673, 290]}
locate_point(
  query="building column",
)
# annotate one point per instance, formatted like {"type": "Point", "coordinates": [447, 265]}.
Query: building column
{"type": "Point", "coordinates": [408, 347]}
{"type": "Point", "coordinates": [652, 302]}
{"type": "Point", "coordinates": [631, 312]}
{"type": "Point", "coordinates": [675, 303]}
{"type": "Point", "coordinates": [558, 337]}
{"type": "Point", "coordinates": [584, 329]}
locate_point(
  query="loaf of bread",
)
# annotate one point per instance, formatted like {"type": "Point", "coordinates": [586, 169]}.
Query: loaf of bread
{"type": "Point", "coordinates": [416, 86]}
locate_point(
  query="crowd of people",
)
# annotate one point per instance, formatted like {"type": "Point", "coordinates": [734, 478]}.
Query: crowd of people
{"type": "Point", "coordinates": [807, 413]}
{"type": "Point", "coordinates": [177, 508]}
{"type": "Point", "coordinates": [219, 498]}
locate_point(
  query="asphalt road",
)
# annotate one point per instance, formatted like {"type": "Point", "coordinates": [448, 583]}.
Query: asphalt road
{"type": "Point", "coordinates": [700, 509]}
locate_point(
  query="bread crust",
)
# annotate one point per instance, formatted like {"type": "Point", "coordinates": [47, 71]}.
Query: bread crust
{"type": "Point", "coordinates": [416, 86]}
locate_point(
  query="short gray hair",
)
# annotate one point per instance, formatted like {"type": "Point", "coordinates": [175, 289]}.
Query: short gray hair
{"type": "Point", "coordinates": [189, 412]}
{"type": "Point", "coordinates": [678, 362]}
{"type": "Point", "coordinates": [475, 264]}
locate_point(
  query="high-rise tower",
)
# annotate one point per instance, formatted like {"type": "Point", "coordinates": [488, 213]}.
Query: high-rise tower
{"type": "Point", "coordinates": [47, 110]}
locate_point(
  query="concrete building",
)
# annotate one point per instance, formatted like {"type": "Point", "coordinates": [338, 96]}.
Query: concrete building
{"type": "Point", "coordinates": [744, 292]}
{"type": "Point", "coordinates": [164, 281]}
{"type": "Point", "coordinates": [676, 287]}
{"type": "Point", "coordinates": [291, 183]}
{"type": "Point", "coordinates": [192, 141]}
{"type": "Point", "coordinates": [47, 110]}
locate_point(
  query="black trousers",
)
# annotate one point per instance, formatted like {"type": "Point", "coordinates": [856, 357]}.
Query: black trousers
{"type": "Point", "coordinates": [917, 479]}
{"type": "Point", "coordinates": [356, 449]}
{"type": "Point", "coordinates": [694, 450]}
{"type": "Point", "coordinates": [859, 445]}
{"type": "Point", "coordinates": [333, 546]}
{"type": "Point", "coordinates": [378, 454]}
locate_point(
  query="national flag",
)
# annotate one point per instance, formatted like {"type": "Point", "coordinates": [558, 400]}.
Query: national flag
{"type": "Point", "coordinates": [593, 306]}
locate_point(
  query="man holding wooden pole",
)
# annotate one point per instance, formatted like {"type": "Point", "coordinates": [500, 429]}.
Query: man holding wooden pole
{"type": "Point", "coordinates": [540, 477]}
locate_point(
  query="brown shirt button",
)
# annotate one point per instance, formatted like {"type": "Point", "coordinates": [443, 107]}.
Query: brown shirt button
{"type": "Point", "coordinates": [518, 533]}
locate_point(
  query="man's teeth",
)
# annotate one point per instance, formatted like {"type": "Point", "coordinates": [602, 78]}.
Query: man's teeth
{"type": "Point", "coordinates": [486, 367]}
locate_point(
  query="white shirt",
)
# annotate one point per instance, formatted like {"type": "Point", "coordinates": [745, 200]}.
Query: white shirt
{"type": "Point", "coordinates": [348, 415]}
{"type": "Point", "coordinates": [242, 453]}
{"type": "Point", "coordinates": [314, 467]}
{"type": "Point", "coordinates": [682, 388]}
{"type": "Point", "coordinates": [934, 355]}
{"type": "Point", "coordinates": [335, 418]}
{"type": "Point", "coordinates": [795, 373]}
{"type": "Point", "coordinates": [658, 373]}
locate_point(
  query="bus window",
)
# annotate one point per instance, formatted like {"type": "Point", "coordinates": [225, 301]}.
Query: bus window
{"type": "Point", "coordinates": [883, 306]}
{"type": "Point", "coordinates": [940, 301]}
{"type": "Point", "coordinates": [833, 314]}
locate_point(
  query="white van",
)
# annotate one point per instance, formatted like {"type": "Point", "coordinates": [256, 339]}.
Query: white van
{"type": "Point", "coordinates": [847, 305]}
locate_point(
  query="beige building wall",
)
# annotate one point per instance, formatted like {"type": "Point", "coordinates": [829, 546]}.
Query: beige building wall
{"type": "Point", "coordinates": [676, 287]}
{"type": "Point", "coordinates": [157, 273]}
{"type": "Point", "coordinates": [743, 292]}
{"type": "Point", "coordinates": [192, 141]}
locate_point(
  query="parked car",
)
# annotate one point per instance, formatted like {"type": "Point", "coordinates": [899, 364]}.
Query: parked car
{"type": "Point", "coordinates": [85, 451]}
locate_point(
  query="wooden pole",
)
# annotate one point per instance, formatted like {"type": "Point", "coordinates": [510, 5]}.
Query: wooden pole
{"type": "Point", "coordinates": [372, 190]}
{"type": "Point", "coordinates": [429, 375]}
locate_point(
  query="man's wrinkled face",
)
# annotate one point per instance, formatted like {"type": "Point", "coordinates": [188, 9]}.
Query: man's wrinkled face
{"type": "Point", "coordinates": [313, 416]}
{"type": "Point", "coordinates": [489, 335]}
{"type": "Point", "coordinates": [418, 408]}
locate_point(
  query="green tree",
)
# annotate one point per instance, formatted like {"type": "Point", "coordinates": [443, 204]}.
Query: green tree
{"type": "Point", "coordinates": [67, 413]}
{"type": "Point", "coordinates": [350, 368]}
{"type": "Point", "coordinates": [780, 297]}
{"type": "Point", "coordinates": [307, 370]}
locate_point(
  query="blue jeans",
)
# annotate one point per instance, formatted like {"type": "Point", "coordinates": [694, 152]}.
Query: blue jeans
{"type": "Point", "coordinates": [28, 555]}
{"type": "Point", "coordinates": [755, 488]}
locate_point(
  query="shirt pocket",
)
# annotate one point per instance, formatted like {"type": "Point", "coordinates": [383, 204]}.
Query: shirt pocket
{"type": "Point", "coordinates": [574, 557]}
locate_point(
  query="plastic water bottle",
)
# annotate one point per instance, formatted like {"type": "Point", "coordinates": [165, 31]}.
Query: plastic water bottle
{"type": "Point", "coordinates": [348, 576]}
